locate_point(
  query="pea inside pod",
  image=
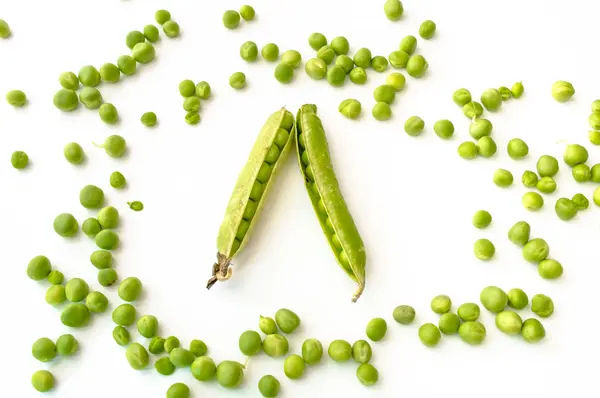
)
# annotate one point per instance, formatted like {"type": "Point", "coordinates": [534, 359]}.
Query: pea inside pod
{"type": "Point", "coordinates": [326, 197]}
{"type": "Point", "coordinates": [267, 156]}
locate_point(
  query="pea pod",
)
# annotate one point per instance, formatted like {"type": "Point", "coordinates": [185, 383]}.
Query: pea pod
{"type": "Point", "coordinates": [268, 154]}
{"type": "Point", "coordinates": [326, 197]}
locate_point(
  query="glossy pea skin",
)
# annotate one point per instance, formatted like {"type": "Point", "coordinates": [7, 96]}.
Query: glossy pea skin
{"type": "Point", "coordinates": [107, 240]}
{"type": "Point", "coordinates": [550, 269]}
{"type": "Point", "coordinates": [171, 29]}
{"type": "Point", "coordinates": [565, 209]}
{"type": "Point", "coordinates": [73, 153]}
{"type": "Point", "coordinates": [156, 345]}
{"type": "Point", "coordinates": [358, 75]}
{"type": "Point", "coordinates": [164, 366]}
{"type": "Point", "coordinates": [503, 178]}
{"type": "Point", "coordinates": [484, 249]}
{"type": "Point", "coordinates": [486, 147]}
{"type": "Point", "coordinates": [350, 108]}
{"type": "Point", "coordinates": [148, 119]}
{"type": "Point", "coordinates": [38, 268]}
{"type": "Point", "coordinates": [247, 12]}
{"type": "Point", "coordinates": [340, 45]}
{"type": "Point", "coordinates": [594, 137]}
{"type": "Point", "coordinates": [76, 290]}
{"type": "Point", "coordinates": [480, 128]}
{"type": "Point", "coordinates": [43, 349]}
{"type": "Point", "coordinates": [42, 380]}
{"type": "Point", "coordinates": [151, 33]}
{"type": "Point", "coordinates": [249, 51]}
{"type": "Point", "coordinates": [396, 80]}
{"type": "Point", "coordinates": [287, 320]}
{"type": "Point", "coordinates": [441, 304]}
{"type": "Point", "coordinates": [472, 332]}
{"type": "Point", "coordinates": [536, 250]}
{"type": "Point", "coordinates": [269, 386]}
{"type": "Point", "coordinates": [379, 63]}
{"type": "Point", "coordinates": [284, 73]}
{"type": "Point", "coordinates": [469, 312]}
{"type": "Point", "coordinates": [68, 80]}
{"type": "Point", "coordinates": [291, 57]}
{"type": "Point", "coordinates": [481, 219]}
{"type": "Point", "coordinates": [143, 53]}
{"type": "Point", "coordinates": [66, 100]}
{"type": "Point", "coordinates": [55, 295]}
{"type": "Point", "coordinates": [66, 345]}
{"type": "Point", "coordinates": [472, 109]}
{"type": "Point", "coordinates": [127, 65]}
{"type": "Point", "coordinates": [517, 299]}
{"type": "Point", "coordinates": [250, 343]}
{"type": "Point", "coordinates": [178, 390]}
{"type": "Point", "coordinates": [581, 173]}
{"type": "Point", "coordinates": [89, 76]}
{"type": "Point", "coordinates": [533, 331]}
{"type": "Point", "coordinates": [444, 129]}
{"type": "Point", "coordinates": [414, 126]}
{"type": "Point", "coordinates": [509, 322]}
{"type": "Point", "coordinates": [107, 277]}
{"type": "Point", "coordinates": [367, 374]}
{"type": "Point", "coordinates": [316, 41]}
{"type": "Point", "coordinates": [130, 289]}
{"type": "Point", "coordinates": [270, 52]}
{"type": "Point", "coordinates": [75, 315]}
{"type": "Point", "coordinates": [517, 148]}
{"type": "Point", "coordinates": [171, 343]}
{"type": "Point", "coordinates": [110, 73]}
{"type": "Point", "coordinates": [532, 201]}
{"type": "Point", "coordinates": [417, 66]}
{"type": "Point", "coordinates": [393, 9]}
{"type": "Point", "coordinates": [562, 91]}
{"type": "Point", "coordinates": [231, 19]}
{"type": "Point", "coordinates": [230, 374]}
{"type": "Point", "coordinates": [316, 68]}
{"type": "Point", "coordinates": [547, 166]}
{"type": "Point", "coordinates": [137, 356]}
{"type": "Point", "coordinates": [294, 366]}
{"type": "Point", "coordinates": [336, 76]}
{"type": "Point", "coordinates": [429, 334]}
{"type": "Point", "coordinates": [55, 277]}
{"type": "Point", "coordinates": [493, 299]}
{"type": "Point", "coordinates": [275, 345]}
{"type": "Point", "coordinates": [529, 179]}
{"type": "Point", "coordinates": [468, 150]}
{"type": "Point", "coordinates": [312, 351]}
{"type": "Point", "coordinates": [108, 217]}
{"type": "Point", "coordinates": [340, 350]}
{"type": "Point", "coordinates": [408, 44]}
{"type": "Point", "coordinates": [134, 37]}
{"type": "Point", "coordinates": [542, 305]}
{"type": "Point", "coordinates": [16, 98]}
{"type": "Point", "coordinates": [404, 314]}
{"type": "Point", "coordinates": [203, 368]}
{"type": "Point", "coordinates": [187, 88]}
{"type": "Point", "coordinates": [108, 113]}
{"type": "Point", "coordinates": [362, 58]}
{"type": "Point", "coordinates": [237, 80]}
{"type": "Point", "coordinates": [398, 59]}
{"type": "Point", "coordinates": [427, 29]}
{"type": "Point", "coordinates": [449, 323]}
{"type": "Point", "coordinates": [519, 233]}
{"type": "Point", "coordinates": [382, 111]}
{"type": "Point", "coordinates": [90, 97]}
{"type": "Point", "coordinates": [376, 329]}
{"type": "Point", "coordinates": [117, 180]}
{"type": "Point", "coordinates": [361, 351]}
{"type": "Point", "coordinates": [199, 348]}
{"type": "Point", "coordinates": [124, 315]}
{"type": "Point", "coordinates": [581, 202]}
{"type": "Point", "coordinates": [461, 97]}
{"type": "Point", "coordinates": [267, 325]}
{"type": "Point", "coordinates": [491, 99]}
{"type": "Point", "coordinates": [575, 154]}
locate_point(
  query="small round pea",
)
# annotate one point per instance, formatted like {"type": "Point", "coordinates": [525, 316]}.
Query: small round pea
{"type": "Point", "coordinates": [143, 53]}
{"type": "Point", "coordinates": [76, 290]}
{"type": "Point", "coordinates": [441, 304]}
{"type": "Point", "coordinates": [484, 249]}
{"type": "Point", "coordinates": [505, 93]}
{"type": "Point", "coordinates": [147, 325]}
{"type": "Point", "coordinates": [130, 289]}
{"type": "Point", "coordinates": [284, 73]}
{"type": "Point", "coordinates": [230, 374]}
{"type": "Point", "coordinates": [414, 126]}
{"type": "Point", "coordinates": [66, 225]}
{"type": "Point", "coordinates": [110, 73]}
{"type": "Point", "coordinates": [350, 108]}
{"type": "Point", "coordinates": [156, 345]}
{"type": "Point", "coordinates": [533, 330]}
{"type": "Point", "coordinates": [269, 386]}
{"type": "Point", "coordinates": [96, 302]}
{"type": "Point", "coordinates": [565, 209]}
{"type": "Point", "coordinates": [408, 44]}
{"type": "Point", "coordinates": [562, 91]}
{"type": "Point", "coordinates": [89, 76]}
{"type": "Point", "coordinates": [203, 90]}
{"type": "Point", "coordinates": [536, 250]}
{"type": "Point", "coordinates": [595, 172]}
{"type": "Point", "coordinates": [444, 129]}
{"type": "Point", "coordinates": [42, 380]}
{"type": "Point", "coordinates": [362, 58]}
{"type": "Point", "coordinates": [595, 107]}
{"type": "Point", "coordinates": [503, 178]}
{"type": "Point", "coordinates": [340, 350]}
{"type": "Point", "coordinates": [108, 113]}
{"type": "Point", "coordinates": [529, 179]}
{"type": "Point", "coordinates": [517, 299]}
{"type": "Point", "coordinates": [519, 233]}
{"type": "Point", "coordinates": [517, 90]}
{"type": "Point", "coordinates": [594, 120]}
{"type": "Point", "coordinates": [178, 390]}
{"type": "Point", "coordinates": [546, 185]}
{"type": "Point", "coordinates": [148, 119]}
{"type": "Point", "coordinates": [270, 52]}
{"type": "Point", "coordinates": [75, 315]}
{"type": "Point", "coordinates": [136, 205]}
{"type": "Point", "coordinates": [449, 323]}
{"type": "Point", "coordinates": [481, 219]}
{"type": "Point", "coordinates": [73, 152]}
{"type": "Point", "coordinates": [384, 93]}
{"type": "Point", "coordinates": [187, 88]}
{"type": "Point", "coordinates": [581, 202]}
{"type": "Point", "coordinates": [367, 374]}
{"type": "Point", "coordinates": [472, 109]}
{"type": "Point", "coordinates": [247, 12]}
{"type": "Point", "coordinates": [517, 148]}
{"type": "Point", "coordinates": [469, 312]}
{"type": "Point", "coordinates": [191, 104]}
{"type": "Point", "coordinates": [107, 277]}
{"type": "Point", "coordinates": [361, 351]}
{"type": "Point", "coordinates": [275, 345]}
{"type": "Point", "coordinates": [19, 160]}
{"type": "Point", "coordinates": [203, 368]}
{"type": "Point", "coordinates": [55, 277]}
{"type": "Point", "coordinates": [575, 154]}
{"type": "Point", "coordinates": [532, 201]}
{"type": "Point", "coordinates": [493, 299]}
{"type": "Point", "coordinates": [358, 75]}
{"type": "Point", "coordinates": [404, 314]}
{"type": "Point", "coordinates": [429, 334]}
{"type": "Point", "coordinates": [250, 343]}
{"type": "Point", "coordinates": [417, 66]}
{"type": "Point", "coordinates": [594, 137]}
{"type": "Point", "coordinates": [4, 29]}
{"type": "Point", "coordinates": [38, 268]}
{"type": "Point", "coordinates": [134, 37]}
{"type": "Point", "coordinates": [316, 68]}
{"type": "Point", "coordinates": [90, 97]}
{"type": "Point", "coordinates": [68, 80]}
{"type": "Point", "coordinates": [171, 343]}
{"type": "Point", "coordinates": [192, 118]}
{"type": "Point", "coordinates": [66, 100]}
{"type": "Point", "coordinates": [164, 366]}
{"type": "Point", "coordinates": [468, 150]}
{"type": "Point", "coordinates": [427, 29]}
{"type": "Point", "coordinates": [294, 366]}
{"type": "Point", "coordinates": [198, 348]}
{"type": "Point", "coordinates": [336, 76]}
{"type": "Point", "coordinates": [542, 305]}
{"type": "Point", "coordinates": [581, 173]}
{"type": "Point", "coordinates": [472, 332]}
{"type": "Point", "coordinates": [249, 51]}
{"type": "Point", "coordinates": [267, 325]}
{"type": "Point", "coordinates": [287, 320]}
{"type": "Point", "coordinates": [491, 99]}
{"type": "Point", "coordinates": [66, 345]}
{"type": "Point", "coordinates": [231, 19]}
{"type": "Point", "coordinates": [292, 58]}
{"type": "Point", "coordinates": [316, 41]}
{"type": "Point", "coordinates": [171, 29]}
{"type": "Point", "coordinates": [91, 197]}
{"type": "Point", "coordinates": [137, 356]}
{"type": "Point", "coordinates": [396, 80]}
{"type": "Point", "coordinates": [376, 329]}
{"type": "Point", "coordinates": [127, 65]}
{"type": "Point", "coordinates": [124, 315]}
{"type": "Point", "coordinates": [43, 349]}
{"type": "Point", "coordinates": [480, 128]}
{"type": "Point", "coordinates": [550, 269]}
{"type": "Point", "coordinates": [596, 197]}
{"type": "Point", "coordinates": [398, 59]}
{"type": "Point", "coordinates": [382, 111]}
{"type": "Point", "coordinates": [340, 45]}
{"type": "Point", "coordinates": [151, 33]}
{"type": "Point", "coordinates": [509, 322]}
{"type": "Point", "coordinates": [237, 80]}
{"type": "Point", "coordinates": [181, 358]}
{"type": "Point", "coordinates": [547, 166]}
{"type": "Point", "coordinates": [117, 180]}
{"type": "Point", "coordinates": [393, 9]}
{"type": "Point", "coordinates": [461, 97]}
{"type": "Point", "coordinates": [108, 217]}
{"type": "Point", "coordinates": [312, 351]}
{"type": "Point", "coordinates": [55, 295]}
{"type": "Point", "coordinates": [379, 63]}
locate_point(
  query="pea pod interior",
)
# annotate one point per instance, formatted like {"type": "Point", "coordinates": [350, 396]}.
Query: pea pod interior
{"type": "Point", "coordinates": [268, 154]}
{"type": "Point", "coordinates": [325, 195]}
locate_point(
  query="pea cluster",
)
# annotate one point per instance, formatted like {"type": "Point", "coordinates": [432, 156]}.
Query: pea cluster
{"type": "Point", "coordinates": [192, 94]}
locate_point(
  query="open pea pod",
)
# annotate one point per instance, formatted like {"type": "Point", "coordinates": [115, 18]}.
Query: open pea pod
{"type": "Point", "coordinates": [325, 195]}
{"type": "Point", "coordinates": [267, 156]}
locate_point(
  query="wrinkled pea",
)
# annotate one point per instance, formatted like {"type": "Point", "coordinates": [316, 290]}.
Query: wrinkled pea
{"type": "Point", "coordinates": [121, 335]}
{"type": "Point", "coordinates": [581, 202]}
{"type": "Point", "coordinates": [398, 59]}
{"type": "Point", "coordinates": [358, 75]}
{"type": "Point", "coordinates": [529, 179]}
{"type": "Point", "coordinates": [249, 51]}
{"type": "Point", "coordinates": [562, 91]}
{"type": "Point", "coordinates": [532, 201]}
{"type": "Point", "coordinates": [472, 109]}
{"type": "Point", "coordinates": [379, 63]}
{"type": "Point", "coordinates": [546, 185]}
{"type": "Point", "coordinates": [350, 108]}
{"type": "Point", "coordinates": [536, 250]}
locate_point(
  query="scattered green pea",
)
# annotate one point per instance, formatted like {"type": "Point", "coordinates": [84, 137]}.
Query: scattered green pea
{"type": "Point", "coordinates": [532, 201]}
{"type": "Point", "coordinates": [147, 325]}
{"type": "Point", "coordinates": [249, 51]}
{"type": "Point", "coordinates": [117, 180]}
{"type": "Point", "coordinates": [292, 58]}
{"type": "Point", "coordinates": [408, 44]}
{"type": "Point", "coordinates": [449, 323]}
{"type": "Point", "coordinates": [76, 290]}
{"type": "Point", "coordinates": [482, 219]}
{"type": "Point", "coordinates": [469, 312]}
{"type": "Point", "coordinates": [66, 225]}
{"type": "Point", "coordinates": [55, 277]}
{"type": "Point", "coordinates": [404, 314]}
{"type": "Point", "coordinates": [134, 37]}
{"type": "Point", "coordinates": [91, 197]}
{"type": "Point", "coordinates": [361, 351]}
{"type": "Point", "coordinates": [191, 104]}
{"type": "Point", "coordinates": [546, 185]}
{"type": "Point", "coordinates": [472, 109]}
{"type": "Point", "coordinates": [340, 45]}
{"type": "Point", "coordinates": [269, 386]}
{"type": "Point", "coordinates": [468, 150]}
{"type": "Point", "coordinates": [414, 126]}
{"type": "Point", "coordinates": [203, 90]}
{"type": "Point", "coordinates": [376, 329]}
{"type": "Point", "coordinates": [284, 73]}
{"type": "Point", "coordinates": [362, 58]}
{"type": "Point", "coordinates": [275, 345]}
{"type": "Point", "coordinates": [358, 75]}
{"type": "Point", "coordinates": [250, 343]}
{"type": "Point", "coordinates": [203, 368]}
{"type": "Point", "coordinates": [379, 63]}
{"type": "Point", "coordinates": [398, 59]}
{"type": "Point", "coordinates": [127, 65]}
{"type": "Point", "coordinates": [427, 29]}
{"type": "Point", "coordinates": [137, 356]}
{"type": "Point", "coordinates": [565, 209]}
{"type": "Point", "coordinates": [130, 289]}
{"type": "Point", "coordinates": [393, 9]}
{"type": "Point", "coordinates": [350, 108]}
{"type": "Point", "coordinates": [171, 343]}
{"type": "Point", "coordinates": [417, 66]}
{"type": "Point", "coordinates": [90, 97]}
{"type": "Point", "coordinates": [382, 111]}
{"type": "Point", "coordinates": [517, 299]}
{"type": "Point", "coordinates": [484, 249]}
{"type": "Point", "coordinates": [247, 12]}
{"type": "Point", "coordinates": [472, 332]}
{"type": "Point", "coordinates": [316, 68]}
{"type": "Point", "coordinates": [505, 93]}
{"type": "Point", "coordinates": [231, 19]}
{"type": "Point", "coordinates": [491, 99]}
{"type": "Point", "coordinates": [67, 345]}
{"type": "Point", "coordinates": [124, 315]}
{"type": "Point", "coordinates": [68, 80]}
{"type": "Point", "coordinates": [340, 350]}
{"type": "Point", "coordinates": [107, 277]}
{"type": "Point", "coordinates": [108, 113]}
{"type": "Point", "coordinates": [384, 93]}
{"type": "Point", "coordinates": [43, 349]}
{"type": "Point", "coordinates": [181, 358]}
{"type": "Point", "coordinates": [367, 374]}
{"type": "Point", "coordinates": [547, 166]}
{"type": "Point", "coordinates": [519, 233]}
{"type": "Point", "coordinates": [503, 178]}
{"type": "Point", "coordinates": [509, 322]}
{"type": "Point", "coordinates": [270, 52]}
{"type": "Point", "coordinates": [594, 120]}
{"type": "Point", "coordinates": [550, 269]}
{"type": "Point", "coordinates": [517, 148]}
{"type": "Point", "coordinates": [529, 179]}
{"type": "Point", "coordinates": [164, 366]}
{"type": "Point", "coordinates": [493, 299]}
{"type": "Point", "coordinates": [192, 118]}
{"type": "Point", "coordinates": [110, 73]}
{"type": "Point", "coordinates": [19, 160]}
{"type": "Point", "coordinates": [55, 295]}
{"type": "Point", "coordinates": [396, 80]}
{"type": "Point", "coordinates": [237, 80]}
{"type": "Point", "coordinates": [157, 345]}
{"type": "Point", "coordinates": [294, 366]}
{"type": "Point", "coordinates": [542, 305]}
{"type": "Point", "coordinates": [575, 154]}
{"type": "Point", "coordinates": [187, 88]}
{"type": "Point", "coordinates": [171, 29]}
{"type": "Point", "coordinates": [144, 53]}
{"type": "Point", "coordinates": [316, 41]}
{"type": "Point", "coordinates": [38, 268]}
{"type": "Point", "coordinates": [312, 351]}
{"type": "Point", "coordinates": [16, 98]}
{"type": "Point", "coordinates": [596, 197]}
{"type": "Point", "coordinates": [536, 250]}
{"type": "Point", "coordinates": [136, 205]}
{"type": "Point", "coordinates": [96, 302]}
{"type": "Point", "coordinates": [441, 304]}
{"type": "Point", "coordinates": [517, 90]}
{"type": "Point", "coordinates": [267, 325]}
{"type": "Point", "coordinates": [42, 380]}
{"type": "Point", "coordinates": [66, 100]}
{"type": "Point", "coordinates": [148, 119]}
{"type": "Point", "coordinates": [178, 390]}
{"type": "Point", "coordinates": [89, 76]}
{"type": "Point", "coordinates": [198, 348]}
{"type": "Point", "coordinates": [4, 29]}
{"type": "Point", "coordinates": [73, 152]}
{"type": "Point", "coordinates": [562, 91]}
{"type": "Point", "coordinates": [461, 97]}
{"type": "Point", "coordinates": [336, 76]}
{"type": "Point", "coordinates": [533, 331]}
{"type": "Point", "coordinates": [594, 137]}
{"type": "Point", "coordinates": [75, 315]}
{"type": "Point", "coordinates": [429, 334]}
{"type": "Point", "coordinates": [287, 320]}
{"type": "Point", "coordinates": [444, 129]}
{"type": "Point", "coordinates": [151, 33]}
{"type": "Point", "coordinates": [581, 202]}
{"type": "Point", "coordinates": [230, 374]}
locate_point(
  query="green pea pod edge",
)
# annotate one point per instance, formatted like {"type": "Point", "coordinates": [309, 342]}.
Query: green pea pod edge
{"type": "Point", "coordinates": [326, 197]}
{"type": "Point", "coordinates": [227, 244]}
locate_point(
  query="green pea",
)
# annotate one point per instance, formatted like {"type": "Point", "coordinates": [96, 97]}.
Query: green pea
{"type": "Point", "coordinates": [231, 19]}
{"type": "Point", "coordinates": [294, 366]}
{"type": "Point", "coordinates": [444, 129]}
{"type": "Point", "coordinates": [73, 152]}
{"type": "Point", "coordinates": [134, 37]}
{"type": "Point", "coordinates": [350, 108]}
{"type": "Point", "coordinates": [408, 44]}
{"type": "Point", "coordinates": [96, 302]}
{"type": "Point", "coordinates": [269, 386]}
{"type": "Point", "coordinates": [376, 329]}
{"type": "Point", "coordinates": [237, 80]}
{"type": "Point", "coordinates": [198, 348]}
{"type": "Point", "coordinates": [157, 345]}
{"type": "Point", "coordinates": [137, 356]}
{"type": "Point", "coordinates": [75, 315]}
{"type": "Point", "coordinates": [178, 390]}
{"type": "Point", "coordinates": [89, 76]}
{"type": "Point", "coordinates": [136, 205]}
{"type": "Point", "coordinates": [66, 225]}
{"type": "Point", "coordinates": [505, 93]}
{"type": "Point", "coordinates": [312, 351]}
{"type": "Point", "coordinates": [76, 290]}
{"type": "Point", "coordinates": [542, 305]}
{"type": "Point", "coordinates": [429, 334]}
{"type": "Point", "coordinates": [38, 268]}
{"type": "Point", "coordinates": [595, 173]}
{"type": "Point", "coordinates": [472, 332]}
{"type": "Point", "coordinates": [247, 12]}
{"type": "Point", "coordinates": [529, 179]}
{"type": "Point", "coordinates": [565, 209]}
{"type": "Point", "coordinates": [546, 185]}
{"type": "Point", "coordinates": [396, 80]}
{"type": "Point", "coordinates": [108, 217]}
{"type": "Point", "coordinates": [484, 249]}
{"type": "Point", "coordinates": [461, 97]}
{"type": "Point", "coordinates": [275, 345]}
{"type": "Point", "coordinates": [55, 295]}
{"type": "Point", "coordinates": [336, 76]}
{"type": "Point", "coordinates": [340, 350]}
{"type": "Point", "coordinates": [130, 289]}
{"type": "Point", "coordinates": [358, 75]}
{"type": "Point", "coordinates": [55, 277]}
{"type": "Point", "coordinates": [472, 109]}
{"type": "Point", "coordinates": [267, 325]}
{"type": "Point", "coordinates": [340, 45]}
{"type": "Point", "coordinates": [581, 202]}
{"type": "Point", "coordinates": [249, 51]}
{"type": "Point", "coordinates": [509, 322]}
{"type": "Point", "coordinates": [270, 52]}
{"type": "Point", "coordinates": [517, 299]}
{"type": "Point", "coordinates": [66, 345]}
{"type": "Point", "coordinates": [151, 34]}
{"type": "Point", "coordinates": [124, 315]}
{"type": "Point", "coordinates": [4, 29]}
{"type": "Point", "coordinates": [449, 323]}
{"type": "Point", "coordinates": [191, 104]}
{"type": "Point", "coordinates": [68, 80]}
{"type": "Point", "coordinates": [250, 343]}
{"type": "Point", "coordinates": [581, 173]}
{"type": "Point", "coordinates": [550, 269]}
{"type": "Point", "coordinates": [491, 99]}
{"type": "Point", "coordinates": [66, 100]}
{"type": "Point", "coordinates": [393, 9]}
{"type": "Point", "coordinates": [594, 120]}
{"type": "Point", "coordinates": [417, 66]}
{"type": "Point", "coordinates": [414, 126]}
{"type": "Point", "coordinates": [575, 154]}
{"type": "Point", "coordinates": [441, 304]}
{"type": "Point", "coordinates": [292, 58]}
{"type": "Point", "coordinates": [187, 88]}
{"type": "Point", "coordinates": [107, 239]}
{"type": "Point", "coordinates": [107, 277]}
{"type": "Point", "coordinates": [362, 58]}
{"type": "Point", "coordinates": [594, 137]}
{"type": "Point", "coordinates": [316, 68]}
{"type": "Point", "coordinates": [379, 63]}
{"type": "Point", "coordinates": [517, 90]}
{"type": "Point", "coordinates": [143, 53]}
{"type": "Point", "coordinates": [192, 118]}
{"type": "Point", "coordinates": [164, 366]}
{"type": "Point", "coordinates": [19, 160]}
{"type": "Point", "coordinates": [519, 233]}
{"type": "Point", "coordinates": [90, 97]}
{"type": "Point", "coordinates": [468, 150]}
{"type": "Point", "coordinates": [287, 320]}
{"type": "Point", "coordinates": [203, 90]}
{"type": "Point", "coordinates": [181, 358]}
{"type": "Point", "coordinates": [16, 98]}
{"type": "Point", "coordinates": [398, 59]}
{"type": "Point", "coordinates": [493, 299]}
{"type": "Point", "coordinates": [480, 128]}
{"type": "Point", "coordinates": [427, 29]}
{"type": "Point", "coordinates": [361, 351]}
{"type": "Point", "coordinates": [230, 374]}
{"type": "Point", "coordinates": [44, 349]}
{"type": "Point", "coordinates": [482, 219]}
{"type": "Point", "coordinates": [486, 147]}
{"type": "Point", "coordinates": [284, 73]}
{"type": "Point", "coordinates": [562, 91]}
{"type": "Point", "coordinates": [596, 197]}
{"type": "Point", "coordinates": [384, 93]}
{"type": "Point", "coordinates": [171, 29]}
{"type": "Point", "coordinates": [533, 330]}
{"type": "Point", "coordinates": [404, 314]}
{"type": "Point", "coordinates": [503, 178]}
{"type": "Point", "coordinates": [108, 113]}
{"type": "Point", "coordinates": [517, 148]}
{"type": "Point", "coordinates": [382, 111]}
{"type": "Point", "coordinates": [203, 368]}
{"type": "Point", "coordinates": [42, 380]}
{"type": "Point", "coordinates": [147, 325]}
{"type": "Point", "coordinates": [536, 250]}
{"type": "Point", "coordinates": [468, 312]}
{"type": "Point", "coordinates": [148, 119]}
{"type": "Point", "coordinates": [171, 343]}
{"type": "Point", "coordinates": [110, 73]}
{"type": "Point", "coordinates": [367, 374]}
{"type": "Point", "coordinates": [316, 41]}
{"type": "Point", "coordinates": [547, 166]}
{"type": "Point", "coordinates": [532, 201]}
{"type": "Point", "coordinates": [344, 62]}
{"type": "Point", "coordinates": [127, 65]}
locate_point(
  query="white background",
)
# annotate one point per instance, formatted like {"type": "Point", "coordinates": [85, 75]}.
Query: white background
{"type": "Point", "coordinates": [412, 198]}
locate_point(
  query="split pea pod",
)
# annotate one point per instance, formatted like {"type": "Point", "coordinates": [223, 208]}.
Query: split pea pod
{"type": "Point", "coordinates": [268, 154]}
{"type": "Point", "coordinates": [326, 197]}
